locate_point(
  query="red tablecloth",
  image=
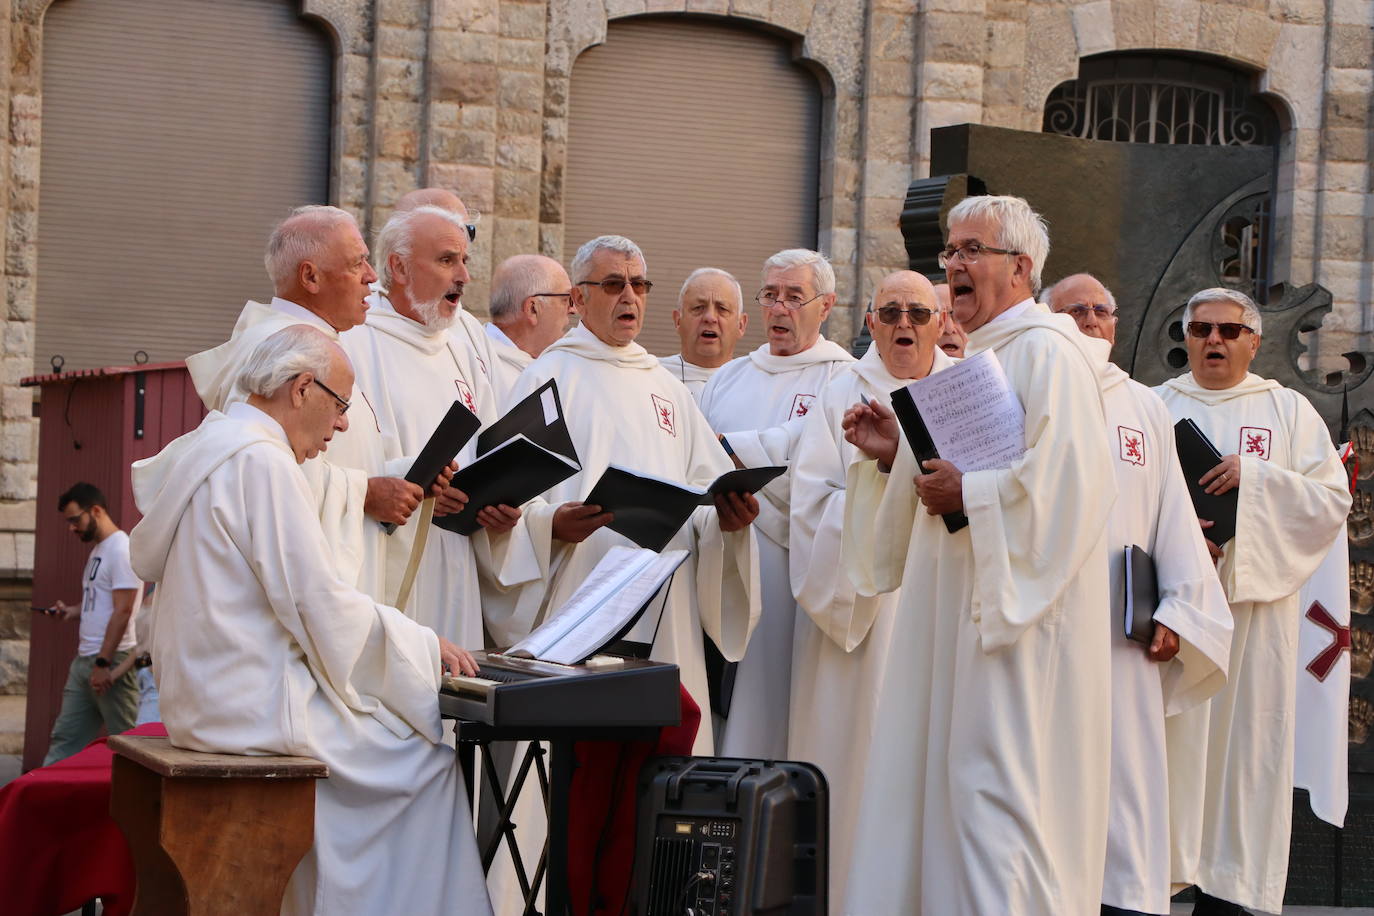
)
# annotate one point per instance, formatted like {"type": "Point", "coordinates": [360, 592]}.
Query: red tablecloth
{"type": "Point", "coordinates": [59, 847]}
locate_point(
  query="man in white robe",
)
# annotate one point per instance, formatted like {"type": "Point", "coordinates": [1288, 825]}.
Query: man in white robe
{"type": "Point", "coordinates": [987, 781]}
{"type": "Point", "coordinates": [531, 302]}
{"type": "Point", "coordinates": [318, 264]}
{"type": "Point", "coordinates": [842, 641]}
{"type": "Point", "coordinates": [1186, 661]}
{"type": "Point", "coordinates": [750, 401]}
{"type": "Point", "coordinates": [1231, 760]}
{"type": "Point", "coordinates": [412, 370]}
{"type": "Point", "coordinates": [467, 328]}
{"type": "Point", "coordinates": [261, 649]}
{"type": "Point", "coordinates": [709, 320]}
{"type": "Point", "coordinates": [622, 407]}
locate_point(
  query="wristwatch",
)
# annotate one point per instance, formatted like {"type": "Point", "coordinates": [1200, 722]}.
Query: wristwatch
{"type": "Point", "coordinates": [102, 662]}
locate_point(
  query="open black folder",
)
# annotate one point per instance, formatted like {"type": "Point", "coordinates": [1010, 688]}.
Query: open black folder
{"type": "Point", "coordinates": [526, 452]}
{"type": "Point", "coordinates": [922, 446]}
{"type": "Point", "coordinates": [649, 510]}
{"type": "Point", "coordinates": [447, 440]}
{"type": "Point", "coordinates": [1197, 455]}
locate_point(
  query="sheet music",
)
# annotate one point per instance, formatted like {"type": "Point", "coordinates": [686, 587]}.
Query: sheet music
{"type": "Point", "coordinates": [973, 415]}
{"type": "Point", "coordinates": [614, 591]}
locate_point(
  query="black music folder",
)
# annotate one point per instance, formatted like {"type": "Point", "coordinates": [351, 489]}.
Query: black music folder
{"type": "Point", "coordinates": [1141, 593]}
{"type": "Point", "coordinates": [447, 440]}
{"type": "Point", "coordinates": [1197, 455]}
{"type": "Point", "coordinates": [922, 446]}
{"type": "Point", "coordinates": [538, 418]}
{"type": "Point", "coordinates": [649, 510]}
{"type": "Point", "coordinates": [511, 474]}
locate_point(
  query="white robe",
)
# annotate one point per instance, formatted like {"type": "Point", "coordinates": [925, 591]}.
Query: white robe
{"type": "Point", "coordinates": [1231, 760]}
{"type": "Point", "coordinates": [340, 492]}
{"type": "Point", "coordinates": [690, 374]}
{"type": "Point", "coordinates": [758, 401]}
{"type": "Point", "coordinates": [508, 361]}
{"type": "Point", "coordinates": [986, 789]}
{"type": "Point", "coordinates": [623, 408]}
{"type": "Point", "coordinates": [261, 649]}
{"type": "Point", "coordinates": [842, 641]}
{"type": "Point", "coordinates": [412, 377]}
{"type": "Point", "coordinates": [1153, 511]}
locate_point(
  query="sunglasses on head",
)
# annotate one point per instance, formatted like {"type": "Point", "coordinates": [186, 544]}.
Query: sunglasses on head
{"type": "Point", "coordinates": [1229, 330]}
{"type": "Point", "coordinates": [891, 314]}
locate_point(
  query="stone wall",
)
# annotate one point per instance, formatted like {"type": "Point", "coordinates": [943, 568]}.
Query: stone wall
{"type": "Point", "coordinates": [473, 94]}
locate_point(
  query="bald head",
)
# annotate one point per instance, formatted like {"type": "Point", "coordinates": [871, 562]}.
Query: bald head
{"type": "Point", "coordinates": [531, 301]}
{"type": "Point", "coordinates": [442, 198]}
{"type": "Point", "coordinates": [1088, 302]}
{"type": "Point", "coordinates": [904, 322]}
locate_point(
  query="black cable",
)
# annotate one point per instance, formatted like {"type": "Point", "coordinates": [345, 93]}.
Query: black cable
{"type": "Point", "coordinates": [696, 879]}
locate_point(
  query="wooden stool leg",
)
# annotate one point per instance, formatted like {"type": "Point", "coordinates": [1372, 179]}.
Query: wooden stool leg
{"type": "Point", "coordinates": [223, 847]}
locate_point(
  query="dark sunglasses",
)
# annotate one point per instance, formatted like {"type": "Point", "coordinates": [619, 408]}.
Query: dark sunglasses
{"type": "Point", "coordinates": [1229, 330]}
{"type": "Point", "coordinates": [612, 286]}
{"type": "Point", "coordinates": [891, 314]}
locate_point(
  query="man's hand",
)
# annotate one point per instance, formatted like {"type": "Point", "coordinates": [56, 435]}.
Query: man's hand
{"type": "Point", "coordinates": [498, 519]}
{"type": "Point", "coordinates": [61, 609]}
{"type": "Point", "coordinates": [391, 499]}
{"type": "Point", "coordinates": [441, 482]}
{"type": "Point", "coordinates": [737, 511]}
{"type": "Point", "coordinates": [1212, 549]}
{"type": "Point", "coordinates": [456, 660]}
{"type": "Point", "coordinates": [1165, 644]}
{"type": "Point", "coordinates": [942, 491]}
{"type": "Point", "coordinates": [449, 501]}
{"type": "Point", "coordinates": [575, 522]}
{"type": "Point", "coordinates": [872, 429]}
{"type": "Point", "coordinates": [100, 680]}
{"type": "Point", "coordinates": [1223, 478]}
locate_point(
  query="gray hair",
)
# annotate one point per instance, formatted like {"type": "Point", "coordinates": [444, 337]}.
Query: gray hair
{"type": "Point", "coordinates": [582, 261]}
{"type": "Point", "coordinates": [1250, 312]}
{"type": "Point", "coordinates": [1019, 228]}
{"type": "Point", "coordinates": [1047, 294]}
{"type": "Point", "coordinates": [515, 280]}
{"type": "Point", "coordinates": [283, 356]}
{"type": "Point", "coordinates": [398, 237]}
{"type": "Point", "coordinates": [711, 272]}
{"type": "Point", "coordinates": [302, 236]}
{"type": "Point", "coordinates": [821, 272]}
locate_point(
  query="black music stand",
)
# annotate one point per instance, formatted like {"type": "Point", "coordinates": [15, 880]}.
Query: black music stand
{"type": "Point", "coordinates": [555, 782]}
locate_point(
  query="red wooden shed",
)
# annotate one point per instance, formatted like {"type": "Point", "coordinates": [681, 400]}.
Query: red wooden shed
{"type": "Point", "coordinates": [93, 424]}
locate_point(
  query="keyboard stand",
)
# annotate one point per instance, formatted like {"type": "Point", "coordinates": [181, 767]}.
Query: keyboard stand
{"type": "Point", "coordinates": [555, 784]}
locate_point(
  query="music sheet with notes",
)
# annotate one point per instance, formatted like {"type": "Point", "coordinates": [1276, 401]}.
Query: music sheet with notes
{"type": "Point", "coordinates": [974, 417]}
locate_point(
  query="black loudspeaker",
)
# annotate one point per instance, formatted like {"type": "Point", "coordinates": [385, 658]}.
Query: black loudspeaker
{"type": "Point", "coordinates": [719, 836]}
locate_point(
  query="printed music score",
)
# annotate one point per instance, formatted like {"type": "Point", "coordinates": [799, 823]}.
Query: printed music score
{"type": "Point", "coordinates": [974, 417]}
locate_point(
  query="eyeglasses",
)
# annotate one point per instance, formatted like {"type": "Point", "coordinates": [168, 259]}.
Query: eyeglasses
{"type": "Point", "coordinates": [613, 286]}
{"type": "Point", "coordinates": [555, 295]}
{"type": "Point", "coordinates": [891, 314]}
{"type": "Point", "coordinates": [969, 253]}
{"type": "Point", "coordinates": [1229, 330]}
{"type": "Point", "coordinates": [1080, 311]}
{"type": "Point", "coordinates": [791, 303]}
{"type": "Point", "coordinates": [343, 405]}
{"type": "Point", "coordinates": [73, 520]}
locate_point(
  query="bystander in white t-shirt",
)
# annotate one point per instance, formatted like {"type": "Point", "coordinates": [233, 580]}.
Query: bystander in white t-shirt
{"type": "Point", "coordinates": [107, 569]}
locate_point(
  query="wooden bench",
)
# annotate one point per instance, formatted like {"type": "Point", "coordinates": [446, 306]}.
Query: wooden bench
{"type": "Point", "coordinates": [211, 834]}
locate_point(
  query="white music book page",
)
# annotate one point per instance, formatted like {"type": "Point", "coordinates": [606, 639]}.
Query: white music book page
{"type": "Point", "coordinates": [974, 417]}
{"type": "Point", "coordinates": [610, 596]}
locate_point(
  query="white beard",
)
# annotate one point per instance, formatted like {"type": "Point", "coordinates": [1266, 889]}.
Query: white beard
{"type": "Point", "coordinates": [430, 317]}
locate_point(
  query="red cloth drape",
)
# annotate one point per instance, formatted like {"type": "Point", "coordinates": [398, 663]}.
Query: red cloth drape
{"type": "Point", "coordinates": [601, 822]}
{"type": "Point", "coordinates": [59, 846]}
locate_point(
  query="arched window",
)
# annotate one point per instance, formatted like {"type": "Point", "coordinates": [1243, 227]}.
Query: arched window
{"type": "Point", "coordinates": [700, 141]}
{"type": "Point", "coordinates": [173, 136]}
{"type": "Point", "coordinates": [1150, 97]}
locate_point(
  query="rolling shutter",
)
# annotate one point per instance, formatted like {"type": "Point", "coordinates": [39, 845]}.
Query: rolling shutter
{"type": "Point", "coordinates": [701, 142]}
{"type": "Point", "coordinates": [174, 135]}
